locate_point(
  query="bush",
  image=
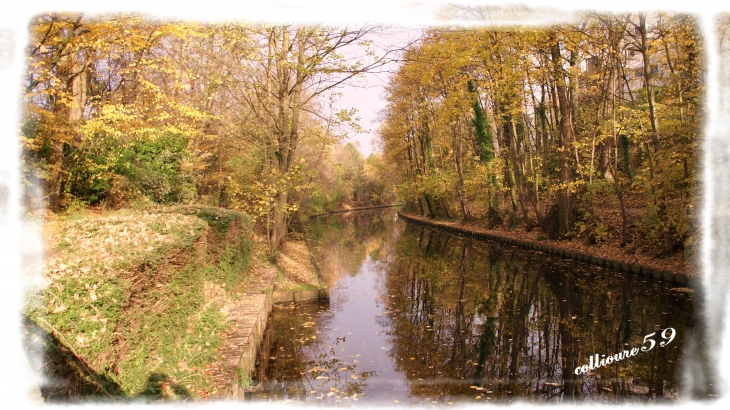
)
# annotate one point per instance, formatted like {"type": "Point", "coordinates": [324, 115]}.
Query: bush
{"type": "Point", "coordinates": [155, 167]}
{"type": "Point", "coordinates": [597, 232]}
{"type": "Point", "coordinates": [116, 174]}
{"type": "Point", "coordinates": [122, 192]}
{"type": "Point", "coordinates": [589, 225]}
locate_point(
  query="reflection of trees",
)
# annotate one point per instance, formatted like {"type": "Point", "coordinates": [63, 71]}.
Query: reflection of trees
{"type": "Point", "coordinates": [340, 243]}
{"type": "Point", "coordinates": [293, 361]}
{"type": "Point", "coordinates": [467, 319]}
{"type": "Point", "coordinates": [516, 323]}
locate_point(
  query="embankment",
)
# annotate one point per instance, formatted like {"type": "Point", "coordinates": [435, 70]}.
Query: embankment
{"type": "Point", "coordinates": [562, 250]}
{"type": "Point", "coordinates": [131, 302]}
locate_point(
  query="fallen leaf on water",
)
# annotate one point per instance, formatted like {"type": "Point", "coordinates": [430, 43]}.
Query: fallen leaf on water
{"type": "Point", "coordinates": [396, 401]}
{"type": "Point", "coordinates": [353, 377]}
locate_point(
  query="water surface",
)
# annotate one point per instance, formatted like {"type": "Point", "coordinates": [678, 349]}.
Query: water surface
{"type": "Point", "coordinates": [420, 316]}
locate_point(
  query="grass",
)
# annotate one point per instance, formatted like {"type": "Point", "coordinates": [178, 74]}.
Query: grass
{"type": "Point", "coordinates": [125, 292]}
{"type": "Point", "coordinates": [244, 380]}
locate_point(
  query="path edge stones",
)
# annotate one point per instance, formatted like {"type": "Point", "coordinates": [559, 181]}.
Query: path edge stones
{"type": "Point", "coordinates": [251, 333]}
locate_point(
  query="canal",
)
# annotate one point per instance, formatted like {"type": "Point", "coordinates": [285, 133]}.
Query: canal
{"type": "Point", "coordinates": [421, 316]}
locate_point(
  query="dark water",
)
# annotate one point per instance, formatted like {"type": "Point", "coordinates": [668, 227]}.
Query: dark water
{"type": "Point", "coordinates": [419, 316]}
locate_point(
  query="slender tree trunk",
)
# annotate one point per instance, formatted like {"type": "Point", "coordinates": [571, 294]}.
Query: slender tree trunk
{"type": "Point", "coordinates": [512, 136]}
{"type": "Point", "coordinates": [656, 138]}
{"type": "Point", "coordinates": [445, 208]}
{"type": "Point", "coordinates": [456, 143]}
{"type": "Point", "coordinates": [566, 130]}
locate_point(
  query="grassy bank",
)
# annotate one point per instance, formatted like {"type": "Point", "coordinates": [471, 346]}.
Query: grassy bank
{"type": "Point", "coordinates": [130, 306]}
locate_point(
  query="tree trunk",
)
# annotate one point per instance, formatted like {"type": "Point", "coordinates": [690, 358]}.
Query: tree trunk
{"type": "Point", "coordinates": [656, 139]}
{"type": "Point", "coordinates": [429, 207]}
{"type": "Point", "coordinates": [456, 142]}
{"type": "Point", "coordinates": [445, 208]}
{"type": "Point", "coordinates": [512, 136]}
{"type": "Point", "coordinates": [286, 130]}
{"type": "Point", "coordinates": [566, 131]}
{"type": "Point", "coordinates": [70, 113]}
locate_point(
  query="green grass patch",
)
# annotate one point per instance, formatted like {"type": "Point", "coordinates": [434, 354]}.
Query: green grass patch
{"type": "Point", "coordinates": [126, 293]}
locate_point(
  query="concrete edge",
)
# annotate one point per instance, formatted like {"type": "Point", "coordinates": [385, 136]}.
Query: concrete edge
{"type": "Point", "coordinates": [280, 296]}
{"type": "Point", "coordinates": [247, 361]}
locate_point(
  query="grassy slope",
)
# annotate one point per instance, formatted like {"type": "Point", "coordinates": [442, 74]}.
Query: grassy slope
{"type": "Point", "coordinates": [131, 306]}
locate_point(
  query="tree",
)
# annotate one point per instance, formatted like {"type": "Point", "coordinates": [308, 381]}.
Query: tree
{"type": "Point", "coordinates": [573, 111]}
{"type": "Point", "coordinates": [297, 64]}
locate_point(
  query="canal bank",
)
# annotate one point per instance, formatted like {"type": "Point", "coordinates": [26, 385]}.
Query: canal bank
{"type": "Point", "coordinates": [292, 279]}
{"type": "Point", "coordinates": [562, 250]}
{"type": "Point", "coordinates": [419, 315]}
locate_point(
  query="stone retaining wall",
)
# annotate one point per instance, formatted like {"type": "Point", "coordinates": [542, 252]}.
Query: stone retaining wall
{"type": "Point", "coordinates": [248, 317]}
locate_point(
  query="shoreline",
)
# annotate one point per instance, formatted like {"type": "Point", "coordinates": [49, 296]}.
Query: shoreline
{"type": "Point", "coordinates": [354, 209]}
{"type": "Point", "coordinates": [559, 249]}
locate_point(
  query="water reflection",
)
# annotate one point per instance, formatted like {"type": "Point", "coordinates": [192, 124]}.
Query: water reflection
{"type": "Point", "coordinates": [420, 316]}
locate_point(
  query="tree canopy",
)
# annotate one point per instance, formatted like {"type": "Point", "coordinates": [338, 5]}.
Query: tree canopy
{"type": "Point", "coordinates": [548, 127]}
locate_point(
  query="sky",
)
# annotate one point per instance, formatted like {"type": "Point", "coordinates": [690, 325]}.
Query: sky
{"type": "Point", "coordinates": [367, 94]}
{"type": "Point", "coordinates": [17, 238]}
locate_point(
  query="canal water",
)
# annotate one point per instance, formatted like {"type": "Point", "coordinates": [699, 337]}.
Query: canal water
{"type": "Point", "coordinates": [420, 316]}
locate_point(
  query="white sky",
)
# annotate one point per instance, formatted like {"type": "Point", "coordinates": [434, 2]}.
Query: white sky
{"type": "Point", "coordinates": [15, 239]}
